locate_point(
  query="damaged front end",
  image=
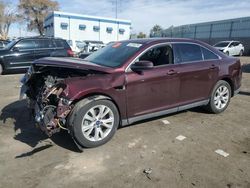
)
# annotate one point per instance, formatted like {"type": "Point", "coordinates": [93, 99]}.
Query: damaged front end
{"type": "Point", "coordinates": [51, 108]}
{"type": "Point", "coordinates": [46, 93]}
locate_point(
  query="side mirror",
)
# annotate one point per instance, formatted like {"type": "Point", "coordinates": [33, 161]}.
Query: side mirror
{"type": "Point", "coordinates": [140, 66]}
{"type": "Point", "coordinates": [15, 49]}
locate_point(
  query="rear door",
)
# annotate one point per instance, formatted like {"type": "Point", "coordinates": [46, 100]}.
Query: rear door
{"type": "Point", "coordinates": [21, 54]}
{"type": "Point", "coordinates": [237, 48]}
{"type": "Point", "coordinates": [44, 48]}
{"type": "Point", "coordinates": [198, 72]}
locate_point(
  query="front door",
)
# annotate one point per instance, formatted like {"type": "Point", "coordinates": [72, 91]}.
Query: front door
{"type": "Point", "coordinates": [21, 55]}
{"type": "Point", "coordinates": [156, 89]}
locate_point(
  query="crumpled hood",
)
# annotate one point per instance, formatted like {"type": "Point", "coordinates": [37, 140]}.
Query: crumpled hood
{"type": "Point", "coordinates": [74, 63]}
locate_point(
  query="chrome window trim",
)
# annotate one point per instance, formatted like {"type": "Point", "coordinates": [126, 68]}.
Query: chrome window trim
{"type": "Point", "coordinates": [170, 44]}
{"type": "Point", "coordinates": [34, 49]}
{"type": "Point", "coordinates": [219, 57]}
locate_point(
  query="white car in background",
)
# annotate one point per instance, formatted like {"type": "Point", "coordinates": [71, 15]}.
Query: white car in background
{"type": "Point", "coordinates": [230, 48]}
{"type": "Point", "coordinates": [76, 46]}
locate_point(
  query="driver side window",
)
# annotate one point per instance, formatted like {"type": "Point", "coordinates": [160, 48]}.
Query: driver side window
{"type": "Point", "coordinates": [161, 55]}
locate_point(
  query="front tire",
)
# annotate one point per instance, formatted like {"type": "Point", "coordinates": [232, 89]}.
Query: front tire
{"type": "Point", "coordinates": [241, 53]}
{"type": "Point", "coordinates": [220, 97]}
{"type": "Point", "coordinates": [94, 123]}
{"type": "Point", "coordinates": [227, 53]}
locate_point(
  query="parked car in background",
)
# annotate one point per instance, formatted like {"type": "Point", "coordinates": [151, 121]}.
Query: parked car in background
{"type": "Point", "coordinates": [89, 48]}
{"type": "Point", "coordinates": [128, 81]}
{"type": "Point", "coordinates": [76, 46]}
{"type": "Point", "coordinates": [20, 53]}
{"type": "Point", "coordinates": [230, 48]}
{"type": "Point", "coordinates": [3, 43]}
{"type": "Point", "coordinates": [92, 46]}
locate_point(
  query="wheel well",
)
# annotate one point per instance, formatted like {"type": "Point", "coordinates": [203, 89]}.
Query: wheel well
{"type": "Point", "coordinates": [99, 96]}
{"type": "Point", "coordinates": [230, 82]}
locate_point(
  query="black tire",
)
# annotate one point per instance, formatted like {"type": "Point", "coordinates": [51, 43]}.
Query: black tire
{"type": "Point", "coordinates": [1, 69]}
{"type": "Point", "coordinates": [241, 53]}
{"type": "Point", "coordinates": [211, 107]}
{"type": "Point", "coordinates": [227, 53]}
{"type": "Point", "coordinates": [76, 117]}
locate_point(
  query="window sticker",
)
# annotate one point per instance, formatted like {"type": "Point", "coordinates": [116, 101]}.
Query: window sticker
{"type": "Point", "coordinates": [116, 45]}
{"type": "Point", "coordinates": [134, 45]}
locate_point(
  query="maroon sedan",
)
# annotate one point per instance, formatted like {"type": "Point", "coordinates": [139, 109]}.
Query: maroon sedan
{"type": "Point", "coordinates": [125, 82]}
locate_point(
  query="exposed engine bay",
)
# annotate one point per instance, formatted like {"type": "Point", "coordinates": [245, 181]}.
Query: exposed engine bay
{"type": "Point", "coordinates": [46, 93]}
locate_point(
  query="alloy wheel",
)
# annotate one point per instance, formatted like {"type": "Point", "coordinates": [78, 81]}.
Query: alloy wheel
{"type": "Point", "coordinates": [97, 123]}
{"type": "Point", "coordinates": [221, 97]}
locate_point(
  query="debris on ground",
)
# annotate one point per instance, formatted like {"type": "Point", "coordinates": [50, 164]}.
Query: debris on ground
{"type": "Point", "coordinates": [147, 172]}
{"type": "Point", "coordinates": [221, 152]}
{"type": "Point", "coordinates": [180, 137]}
{"type": "Point", "coordinates": [166, 122]}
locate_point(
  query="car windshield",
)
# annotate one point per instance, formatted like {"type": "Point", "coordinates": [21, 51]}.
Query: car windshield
{"type": "Point", "coordinates": [221, 44]}
{"type": "Point", "coordinates": [115, 54]}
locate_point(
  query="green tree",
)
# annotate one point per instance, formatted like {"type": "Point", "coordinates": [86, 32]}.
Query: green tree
{"type": "Point", "coordinates": [7, 17]}
{"type": "Point", "coordinates": [35, 11]}
{"type": "Point", "coordinates": [156, 30]}
{"type": "Point", "coordinates": [141, 35]}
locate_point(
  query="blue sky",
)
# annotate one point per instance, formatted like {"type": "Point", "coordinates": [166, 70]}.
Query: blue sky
{"type": "Point", "coordinates": [146, 13]}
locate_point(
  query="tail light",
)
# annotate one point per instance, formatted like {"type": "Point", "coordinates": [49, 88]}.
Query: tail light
{"type": "Point", "coordinates": [70, 53]}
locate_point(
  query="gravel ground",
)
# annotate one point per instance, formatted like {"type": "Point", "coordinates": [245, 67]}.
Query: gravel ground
{"type": "Point", "coordinates": [146, 154]}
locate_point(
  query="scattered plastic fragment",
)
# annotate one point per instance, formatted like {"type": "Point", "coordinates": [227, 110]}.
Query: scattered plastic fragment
{"type": "Point", "coordinates": [180, 137]}
{"type": "Point", "coordinates": [221, 152]}
{"type": "Point", "coordinates": [166, 122]}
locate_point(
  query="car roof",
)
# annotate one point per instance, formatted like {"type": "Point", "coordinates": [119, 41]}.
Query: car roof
{"type": "Point", "coordinates": [160, 40]}
{"type": "Point", "coordinates": [229, 41]}
{"type": "Point", "coordinates": [38, 37]}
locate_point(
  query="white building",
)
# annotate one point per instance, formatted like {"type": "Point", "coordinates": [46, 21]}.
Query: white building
{"type": "Point", "coordinates": [78, 27]}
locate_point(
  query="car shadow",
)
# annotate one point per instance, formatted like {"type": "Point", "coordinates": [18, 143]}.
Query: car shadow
{"type": "Point", "coordinates": [244, 93]}
{"type": "Point", "coordinates": [28, 133]}
{"type": "Point", "coordinates": [246, 68]}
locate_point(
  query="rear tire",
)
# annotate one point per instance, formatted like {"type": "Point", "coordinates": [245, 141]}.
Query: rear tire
{"type": "Point", "coordinates": [220, 97]}
{"type": "Point", "coordinates": [93, 123]}
{"type": "Point", "coordinates": [1, 69]}
{"type": "Point", "coordinates": [227, 53]}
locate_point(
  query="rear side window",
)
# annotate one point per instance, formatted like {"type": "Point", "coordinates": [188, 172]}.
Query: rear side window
{"type": "Point", "coordinates": [185, 53]}
{"type": "Point", "coordinates": [208, 55]}
{"type": "Point", "coordinates": [61, 44]}
{"type": "Point", "coordinates": [26, 44]}
{"type": "Point", "coordinates": [45, 43]}
{"type": "Point", "coordinates": [236, 43]}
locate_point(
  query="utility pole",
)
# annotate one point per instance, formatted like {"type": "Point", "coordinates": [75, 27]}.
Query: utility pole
{"type": "Point", "coordinates": [116, 9]}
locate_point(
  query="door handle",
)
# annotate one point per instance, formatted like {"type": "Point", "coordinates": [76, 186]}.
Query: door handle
{"type": "Point", "coordinates": [171, 72]}
{"type": "Point", "coordinates": [212, 67]}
